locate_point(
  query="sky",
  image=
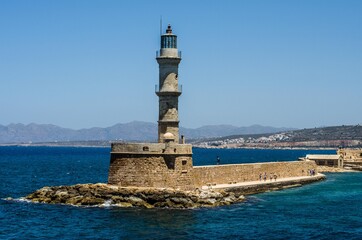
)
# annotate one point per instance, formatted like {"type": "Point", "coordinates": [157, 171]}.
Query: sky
{"type": "Point", "coordinates": [81, 64]}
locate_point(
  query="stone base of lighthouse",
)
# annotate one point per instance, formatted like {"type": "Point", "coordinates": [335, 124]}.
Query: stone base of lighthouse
{"type": "Point", "coordinates": [159, 165]}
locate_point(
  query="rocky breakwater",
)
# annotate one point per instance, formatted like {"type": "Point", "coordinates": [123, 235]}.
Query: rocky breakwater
{"type": "Point", "coordinates": [103, 195]}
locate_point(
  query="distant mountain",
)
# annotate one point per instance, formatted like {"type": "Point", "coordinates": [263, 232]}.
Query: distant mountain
{"type": "Point", "coordinates": [133, 131]}
{"type": "Point", "coordinates": [349, 132]}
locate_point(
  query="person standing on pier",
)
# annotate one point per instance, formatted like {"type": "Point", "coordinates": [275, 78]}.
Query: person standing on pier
{"type": "Point", "coordinates": [217, 160]}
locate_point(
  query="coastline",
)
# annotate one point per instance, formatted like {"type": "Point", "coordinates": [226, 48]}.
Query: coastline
{"type": "Point", "coordinates": [101, 194]}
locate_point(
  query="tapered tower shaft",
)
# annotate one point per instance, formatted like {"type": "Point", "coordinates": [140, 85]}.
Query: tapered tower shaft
{"type": "Point", "coordinates": [168, 89]}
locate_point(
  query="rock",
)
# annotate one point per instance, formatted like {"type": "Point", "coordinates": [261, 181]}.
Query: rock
{"type": "Point", "coordinates": [147, 205]}
{"type": "Point", "coordinates": [98, 194]}
{"type": "Point", "coordinates": [241, 198]}
{"type": "Point", "coordinates": [229, 200]}
{"type": "Point", "coordinates": [46, 200]}
{"type": "Point", "coordinates": [74, 200]}
{"type": "Point", "coordinates": [123, 204]}
{"type": "Point", "coordinates": [91, 201]}
{"type": "Point", "coordinates": [117, 199]}
{"type": "Point", "coordinates": [179, 200]}
{"type": "Point", "coordinates": [210, 194]}
{"type": "Point", "coordinates": [135, 200]}
{"type": "Point", "coordinates": [34, 200]}
{"type": "Point", "coordinates": [84, 189]}
{"type": "Point", "coordinates": [61, 194]}
{"type": "Point", "coordinates": [207, 201]}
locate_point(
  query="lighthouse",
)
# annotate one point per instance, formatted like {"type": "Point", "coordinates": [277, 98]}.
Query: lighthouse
{"type": "Point", "coordinates": [168, 89]}
{"type": "Point", "coordinates": [168, 163]}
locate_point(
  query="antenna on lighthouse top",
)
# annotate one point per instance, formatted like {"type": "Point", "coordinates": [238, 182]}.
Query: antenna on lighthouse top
{"type": "Point", "coordinates": [160, 25]}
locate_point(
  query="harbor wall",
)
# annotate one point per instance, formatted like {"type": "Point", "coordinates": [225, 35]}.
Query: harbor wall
{"type": "Point", "coordinates": [162, 165]}
{"type": "Point", "coordinates": [232, 173]}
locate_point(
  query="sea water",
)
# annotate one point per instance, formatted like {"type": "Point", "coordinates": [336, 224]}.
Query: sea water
{"type": "Point", "coordinates": [330, 209]}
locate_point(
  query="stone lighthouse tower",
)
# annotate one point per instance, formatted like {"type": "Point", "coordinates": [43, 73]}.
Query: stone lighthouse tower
{"type": "Point", "coordinates": [168, 89]}
{"type": "Point", "coordinates": [168, 163]}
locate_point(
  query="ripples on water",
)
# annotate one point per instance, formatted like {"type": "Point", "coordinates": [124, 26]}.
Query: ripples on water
{"type": "Point", "coordinates": [326, 210]}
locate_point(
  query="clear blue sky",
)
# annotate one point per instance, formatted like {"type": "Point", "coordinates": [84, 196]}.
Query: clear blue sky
{"type": "Point", "coordinates": [82, 64]}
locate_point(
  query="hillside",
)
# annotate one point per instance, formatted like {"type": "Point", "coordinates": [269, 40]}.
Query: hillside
{"type": "Point", "coordinates": [353, 132]}
{"type": "Point", "coordinates": [337, 136]}
{"type": "Point", "coordinates": [133, 131]}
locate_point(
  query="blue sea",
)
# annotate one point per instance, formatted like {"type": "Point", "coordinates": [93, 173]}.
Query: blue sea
{"type": "Point", "coordinates": [331, 209]}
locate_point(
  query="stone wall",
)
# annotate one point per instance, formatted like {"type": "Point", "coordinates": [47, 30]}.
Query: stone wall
{"type": "Point", "coordinates": [151, 148]}
{"type": "Point", "coordinates": [157, 165]}
{"type": "Point", "coordinates": [351, 154]}
{"type": "Point", "coordinates": [223, 174]}
{"type": "Point", "coordinates": [169, 165]}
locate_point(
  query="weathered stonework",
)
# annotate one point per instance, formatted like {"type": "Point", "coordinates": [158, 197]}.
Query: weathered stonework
{"type": "Point", "coordinates": [351, 154]}
{"type": "Point", "coordinates": [163, 165]}
{"type": "Point", "coordinates": [168, 90]}
{"type": "Point", "coordinates": [236, 173]}
{"type": "Point", "coordinates": [157, 165]}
